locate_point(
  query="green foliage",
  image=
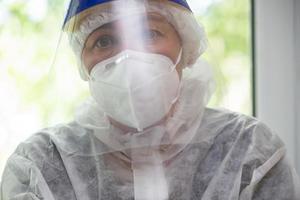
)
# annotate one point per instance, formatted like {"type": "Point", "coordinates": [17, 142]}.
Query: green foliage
{"type": "Point", "coordinates": [29, 49]}
{"type": "Point", "coordinates": [227, 24]}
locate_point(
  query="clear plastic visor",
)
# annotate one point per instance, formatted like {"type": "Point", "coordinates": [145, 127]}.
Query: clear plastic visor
{"type": "Point", "coordinates": [130, 53]}
{"type": "Point", "coordinates": [105, 30]}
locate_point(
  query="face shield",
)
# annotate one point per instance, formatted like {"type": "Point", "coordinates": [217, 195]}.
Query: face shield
{"type": "Point", "coordinates": [148, 88]}
{"type": "Point", "coordinates": [134, 28]}
{"type": "Point", "coordinates": [149, 36]}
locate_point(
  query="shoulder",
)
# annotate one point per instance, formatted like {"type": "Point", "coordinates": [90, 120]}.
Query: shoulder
{"type": "Point", "coordinates": [36, 167]}
{"type": "Point", "coordinates": [214, 116]}
{"type": "Point", "coordinates": [239, 126]}
{"type": "Point", "coordinates": [247, 148]}
{"type": "Point", "coordinates": [42, 146]}
{"type": "Point", "coordinates": [41, 153]}
{"type": "Point", "coordinates": [239, 136]}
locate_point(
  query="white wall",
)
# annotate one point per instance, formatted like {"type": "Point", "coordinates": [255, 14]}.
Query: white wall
{"type": "Point", "coordinates": [277, 70]}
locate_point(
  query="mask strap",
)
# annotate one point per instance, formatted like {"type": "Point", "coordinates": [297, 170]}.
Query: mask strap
{"type": "Point", "coordinates": [178, 59]}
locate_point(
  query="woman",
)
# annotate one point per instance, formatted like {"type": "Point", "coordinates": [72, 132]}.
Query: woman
{"type": "Point", "coordinates": [145, 133]}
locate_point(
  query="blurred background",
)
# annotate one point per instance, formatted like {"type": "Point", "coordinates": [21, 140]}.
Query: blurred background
{"type": "Point", "coordinates": [32, 97]}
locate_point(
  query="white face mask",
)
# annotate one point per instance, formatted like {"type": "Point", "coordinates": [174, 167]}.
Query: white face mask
{"type": "Point", "coordinates": [134, 88]}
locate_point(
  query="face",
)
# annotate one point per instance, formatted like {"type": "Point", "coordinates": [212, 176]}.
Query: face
{"type": "Point", "coordinates": [151, 34]}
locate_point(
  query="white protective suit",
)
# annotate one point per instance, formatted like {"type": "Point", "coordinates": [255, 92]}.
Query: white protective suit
{"type": "Point", "coordinates": [231, 156]}
{"type": "Point", "coordinates": [193, 153]}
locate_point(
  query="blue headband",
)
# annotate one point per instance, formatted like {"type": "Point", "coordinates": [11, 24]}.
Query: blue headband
{"type": "Point", "coordinates": [77, 6]}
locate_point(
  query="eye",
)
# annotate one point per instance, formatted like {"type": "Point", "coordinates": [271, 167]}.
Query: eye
{"type": "Point", "coordinates": [105, 41]}
{"type": "Point", "coordinates": [152, 35]}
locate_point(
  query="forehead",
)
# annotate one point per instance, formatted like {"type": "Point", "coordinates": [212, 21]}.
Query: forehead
{"type": "Point", "coordinates": [135, 22]}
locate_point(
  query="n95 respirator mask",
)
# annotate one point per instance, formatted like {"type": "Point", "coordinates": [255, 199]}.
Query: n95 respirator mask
{"type": "Point", "coordinates": [135, 89]}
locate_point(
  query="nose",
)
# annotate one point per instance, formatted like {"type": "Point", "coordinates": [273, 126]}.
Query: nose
{"type": "Point", "coordinates": [132, 35]}
{"type": "Point", "coordinates": [136, 44]}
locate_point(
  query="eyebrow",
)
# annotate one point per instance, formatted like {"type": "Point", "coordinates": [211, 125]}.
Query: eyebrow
{"type": "Point", "coordinates": [157, 18]}
{"type": "Point", "coordinates": [152, 17]}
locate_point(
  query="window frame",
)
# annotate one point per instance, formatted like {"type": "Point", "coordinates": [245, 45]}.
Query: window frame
{"type": "Point", "coordinates": [276, 25]}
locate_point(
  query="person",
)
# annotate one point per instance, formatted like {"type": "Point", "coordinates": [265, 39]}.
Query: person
{"type": "Point", "coordinates": [146, 133]}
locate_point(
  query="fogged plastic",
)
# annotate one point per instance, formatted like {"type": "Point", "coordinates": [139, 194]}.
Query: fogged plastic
{"type": "Point", "coordinates": [194, 153]}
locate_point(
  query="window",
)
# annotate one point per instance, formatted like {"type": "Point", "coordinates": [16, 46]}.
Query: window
{"type": "Point", "coordinates": [29, 100]}
{"type": "Point", "coordinates": [228, 25]}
